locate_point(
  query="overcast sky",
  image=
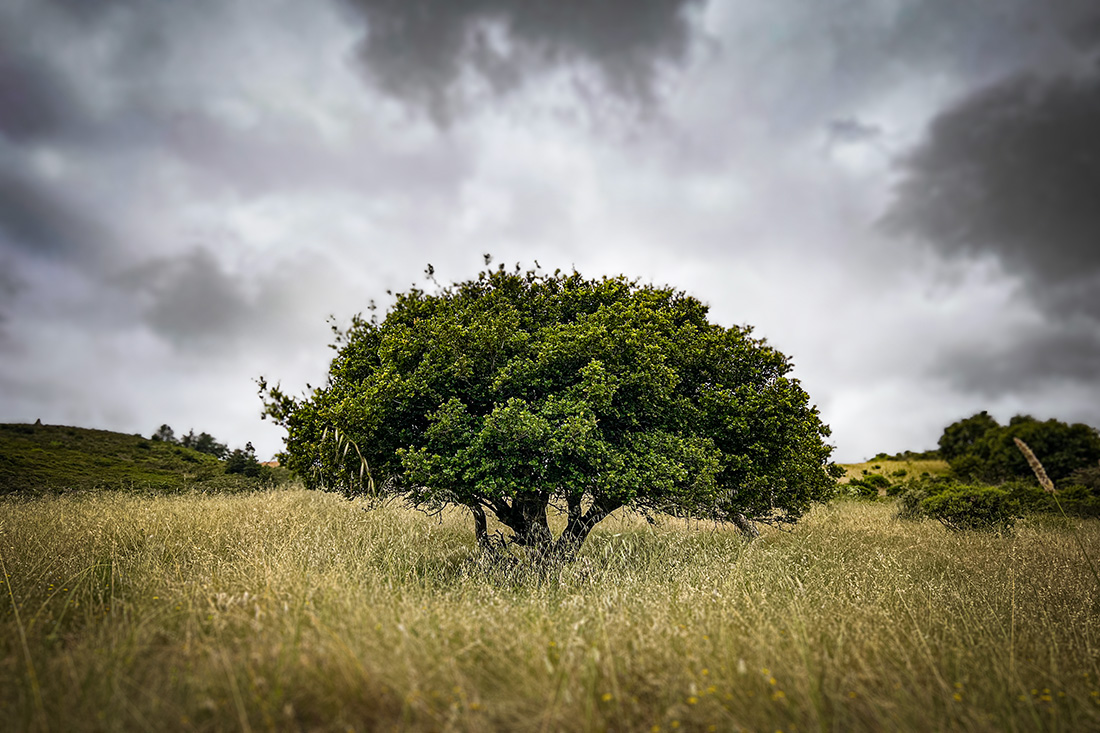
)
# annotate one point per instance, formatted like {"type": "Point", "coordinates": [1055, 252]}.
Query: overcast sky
{"type": "Point", "coordinates": [901, 195]}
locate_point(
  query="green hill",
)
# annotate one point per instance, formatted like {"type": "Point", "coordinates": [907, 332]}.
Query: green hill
{"type": "Point", "coordinates": [48, 458]}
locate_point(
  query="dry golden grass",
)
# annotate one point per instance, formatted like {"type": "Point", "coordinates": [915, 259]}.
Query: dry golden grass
{"type": "Point", "coordinates": [913, 469]}
{"type": "Point", "coordinates": [297, 610]}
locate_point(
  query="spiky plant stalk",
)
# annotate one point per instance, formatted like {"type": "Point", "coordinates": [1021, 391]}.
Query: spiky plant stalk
{"type": "Point", "coordinates": [1048, 486]}
{"type": "Point", "coordinates": [1037, 467]}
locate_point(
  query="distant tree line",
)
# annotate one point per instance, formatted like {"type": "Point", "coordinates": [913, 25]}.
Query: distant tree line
{"type": "Point", "coordinates": [242, 461]}
{"type": "Point", "coordinates": [981, 449]}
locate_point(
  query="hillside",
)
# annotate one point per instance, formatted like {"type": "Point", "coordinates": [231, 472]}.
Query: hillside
{"type": "Point", "coordinates": [894, 470]}
{"type": "Point", "coordinates": [44, 458]}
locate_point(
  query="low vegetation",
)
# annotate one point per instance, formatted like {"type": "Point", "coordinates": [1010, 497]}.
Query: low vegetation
{"type": "Point", "coordinates": [296, 609]}
{"type": "Point", "coordinates": [987, 476]}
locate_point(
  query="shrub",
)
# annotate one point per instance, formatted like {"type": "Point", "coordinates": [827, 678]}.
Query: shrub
{"type": "Point", "coordinates": [869, 486]}
{"type": "Point", "coordinates": [1089, 478]}
{"type": "Point", "coordinates": [910, 503]}
{"type": "Point", "coordinates": [967, 507]}
{"type": "Point", "coordinates": [860, 489]}
{"type": "Point", "coordinates": [1077, 499]}
{"type": "Point", "coordinates": [876, 480]}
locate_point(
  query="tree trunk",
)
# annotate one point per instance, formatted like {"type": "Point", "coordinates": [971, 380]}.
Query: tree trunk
{"type": "Point", "coordinates": [481, 526]}
{"type": "Point", "coordinates": [747, 528]}
{"type": "Point", "coordinates": [527, 519]}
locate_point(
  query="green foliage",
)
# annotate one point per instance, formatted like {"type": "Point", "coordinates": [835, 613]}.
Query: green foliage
{"type": "Point", "coordinates": [1077, 499]}
{"type": "Point", "coordinates": [244, 462]}
{"type": "Point", "coordinates": [966, 507]}
{"type": "Point", "coordinates": [911, 502]}
{"type": "Point", "coordinates": [515, 390]}
{"type": "Point", "coordinates": [1076, 494]}
{"type": "Point", "coordinates": [204, 443]}
{"type": "Point", "coordinates": [48, 458]}
{"type": "Point", "coordinates": [994, 458]}
{"type": "Point", "coordinates": [959, 438]}
{"type": "Point", "coordinates": [876, 480]}
{"type": "Point", "coordinates": [1089, 478]}
{"type": "Point", "coordinates": [868, 485]}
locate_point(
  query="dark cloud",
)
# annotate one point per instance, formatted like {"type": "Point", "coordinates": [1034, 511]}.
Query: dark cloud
{"type": "Point", "coordinates": [35, 101]}
{"type": "Point", "coordinates": [417, 49]}
{"type": "Point", "coordinates": [850, 131]}
{"type": "Point", "coordinates": [10, 287]}
{"type": "Point", "coordinates": [89, 11]}
{"type": "Point", "coordinates": [37, 218]}
{"type": "Point", "coordinates": [1012, 172]}
{"type": "Point", "coordinates": [190, 300]}
{"type": "Point", "coordinates": [201, 307]}
{"type": "Point", "coordinates": [1059, 354]}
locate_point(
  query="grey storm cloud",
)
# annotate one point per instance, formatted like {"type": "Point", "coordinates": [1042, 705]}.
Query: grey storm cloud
{"type": "Point", "coordinates": [35, 101]}
{"type": "Point", "coordinates": [194, 302]}
{"type": "Point", "coordinates": [1063, 353]}
{"type": "Point", "coordinates": [190, 300]}
{"type": "Point", "coordinates": [417, 49]}
{"type": "Point", "coordinates": [10, 286]}
{"type": "Point", "coordinates": [850, 131]}
{"type": "Point", "coordinates": [1011, 172]}
{"type": "Point", "coordinates": [38, 219]}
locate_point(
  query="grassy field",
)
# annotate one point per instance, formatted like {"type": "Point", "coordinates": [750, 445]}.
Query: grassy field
{"type": "Point", "coordinates": [295, 610]}
{"type": "Point", "coordinates": [891, 469]}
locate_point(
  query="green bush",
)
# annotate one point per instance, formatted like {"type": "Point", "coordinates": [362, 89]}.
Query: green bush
{"type": "Point", "coordinates": [895, 489]}
{"type": "Point", "coordinates": [859, 489]}
{"type": "Point", "coordinates": [1089, 478]}
{"type": "Point", "coordinates": [1076, 499]}
{"type": "Point", "coordinates": [981, 450]}
{"type": "Point", "coordinates": [910, 503]}
{"type": "Point", "coordinates": [961, 506]}
{"type": "Point", "coordinates": [868, 486]}
{"type": "Point", "coordinates": [966, 507]}
{"type": "Point", "coordinates": [876, 480]}
{"type": "Point", "coordinates": [1079, 501]}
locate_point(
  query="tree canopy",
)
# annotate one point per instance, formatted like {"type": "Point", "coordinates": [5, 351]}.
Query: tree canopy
{"type": "Point", "coordinates": [959, 438]}
{"type": "Point", "coordinates": [518, 392]}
